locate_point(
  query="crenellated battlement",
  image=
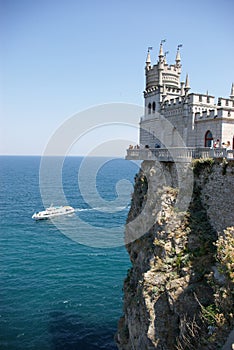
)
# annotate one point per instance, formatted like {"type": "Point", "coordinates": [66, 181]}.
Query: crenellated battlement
{"type": "Point", "coordinates": [173, 103]}
{"type": "Point", "coordinates": [170, 75]}
{"type": "Point", "coordinates": [214, 113]}
{"type": "Point", "coordinates": [225, 102]}
{"type": "Point", "coordinates": [201, 99]}
{"type": "Point", "coordinates": [211, 113]}
{"type": "Point", "coordinates": [151, 90]}
{"type": "Point", "coordinates": [225, 113]}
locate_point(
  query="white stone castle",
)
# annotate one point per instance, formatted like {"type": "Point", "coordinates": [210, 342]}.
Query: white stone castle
{"type": "Point", "coordinates": [196, 117]}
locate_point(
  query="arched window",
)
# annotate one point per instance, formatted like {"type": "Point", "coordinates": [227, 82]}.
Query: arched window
{"type": "Point", "coordinates": [149, 108]}
{"type": "Point", "coordinates": [154, 106]}
{"type": "Point", "coordinates": [208, 139]}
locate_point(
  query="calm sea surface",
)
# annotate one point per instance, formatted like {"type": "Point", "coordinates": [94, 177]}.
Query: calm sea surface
{"type": "Point", "coordinates": [55, 292]}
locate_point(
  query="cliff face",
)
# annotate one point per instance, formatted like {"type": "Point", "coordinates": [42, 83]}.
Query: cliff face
{"type": "Point", "coordinates": [179, 292]}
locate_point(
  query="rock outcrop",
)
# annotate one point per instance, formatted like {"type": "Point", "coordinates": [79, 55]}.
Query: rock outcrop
{"type": "Point", "coordinates": [179, 292]}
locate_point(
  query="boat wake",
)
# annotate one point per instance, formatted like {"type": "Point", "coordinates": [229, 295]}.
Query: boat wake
{"type": "Point", "coordinates": [104, 209]}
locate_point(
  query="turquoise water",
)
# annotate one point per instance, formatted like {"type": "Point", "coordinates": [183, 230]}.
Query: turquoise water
{"type": "Point", "coordinates": [55, 292]}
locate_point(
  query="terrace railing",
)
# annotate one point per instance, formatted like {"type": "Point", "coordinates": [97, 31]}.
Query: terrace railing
{"type": "Point", "coordinates": [182, 154]}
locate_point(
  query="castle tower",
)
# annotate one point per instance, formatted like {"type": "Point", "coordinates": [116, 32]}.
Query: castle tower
{"type": "Point", "coordinates": [162, 81]}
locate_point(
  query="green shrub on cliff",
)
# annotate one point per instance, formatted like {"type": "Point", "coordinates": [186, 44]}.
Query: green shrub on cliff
{"type": "Point", "coordinates": [225, 252]}
{"type": "Point", "coordinates": [202, 164]}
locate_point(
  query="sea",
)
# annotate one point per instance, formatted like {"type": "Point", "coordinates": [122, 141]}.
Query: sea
{"type": "Point", "coordinates": [60, 280]}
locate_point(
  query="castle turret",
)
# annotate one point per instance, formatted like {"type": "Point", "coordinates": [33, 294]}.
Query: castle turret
{"type": "Point", "coordinates": [232, 92]}
{"type": "Point", "coordinates": [161, 63]}
{"type": "Point", "coordinates": [178, 59]}
{"type": "Point", "coordinates": [148, 59]}
{"type": "Point", "coordinates": [161, 54]}
{"type": "Point", "coordinates": [165, 57]}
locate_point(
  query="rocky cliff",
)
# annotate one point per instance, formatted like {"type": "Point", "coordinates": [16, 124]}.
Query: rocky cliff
{"type": "Point", "coordinates": [179, 292]}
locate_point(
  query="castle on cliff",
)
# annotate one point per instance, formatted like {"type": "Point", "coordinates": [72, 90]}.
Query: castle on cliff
{"type": "Point", "coordinates": [197, 117]}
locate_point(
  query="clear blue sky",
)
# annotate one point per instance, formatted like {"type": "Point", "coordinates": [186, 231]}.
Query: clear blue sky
{"type": "Point", "coordinates": [61, 57]}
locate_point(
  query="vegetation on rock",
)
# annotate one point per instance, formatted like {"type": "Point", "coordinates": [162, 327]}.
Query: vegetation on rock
{"type": "Point", "coordinates": [179, 292]}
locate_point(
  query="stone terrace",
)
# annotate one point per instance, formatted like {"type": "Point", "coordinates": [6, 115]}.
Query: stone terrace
{"type": "Point", "coordinates": [182, 154]}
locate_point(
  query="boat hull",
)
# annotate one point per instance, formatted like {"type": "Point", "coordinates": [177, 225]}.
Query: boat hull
{"type": "Point", "coordinates": [53, 212]}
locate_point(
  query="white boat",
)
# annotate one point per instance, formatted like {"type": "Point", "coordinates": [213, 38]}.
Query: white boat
{"type": "Point", "coordinates": [52, 212]}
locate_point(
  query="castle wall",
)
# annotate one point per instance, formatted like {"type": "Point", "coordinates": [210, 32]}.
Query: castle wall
{"type": "Point", "coordinates": [227, 131]}
{"type": "Point", "coordinates": [171, 131]}
{"type": "Point", "coordinates": [151, 133]}
{"type": "Point", "coordinates": [192, 136]}
{"type": "Point", "coordinates": [202, 126]}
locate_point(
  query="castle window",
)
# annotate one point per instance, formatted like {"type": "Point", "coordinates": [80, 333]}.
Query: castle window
{"type": "Point", "coordinates": [226, 102]}
{"type": "Point", "coordinates": [200, 98]}
{"type": "Point", "coordinates": [208, 99]}
{"type": "Point", "coordinates": [208, 139]}
{"type": "Point", "coordinates": [149, 108]}
{"type": "Point", "coordinates": [154, 106]}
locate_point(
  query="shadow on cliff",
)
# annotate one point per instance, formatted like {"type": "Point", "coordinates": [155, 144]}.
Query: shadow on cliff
{"type": "Point", "coordinates": [179, 319]}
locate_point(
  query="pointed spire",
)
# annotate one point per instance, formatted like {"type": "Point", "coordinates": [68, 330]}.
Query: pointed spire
{"type": "Point", "coordinates": [161, 48]}
{"type": "Point", "coordinates": [161, 51]}
{"type": "Point", "coordinates": [148, 58]}
{"type": "Point", "coordinates": [178, 59]}
{"type": "Point", "coordinates": [232, 92]}
{"type": "Point", "coordinates": [187, 87]}
{"type": "Point", "coordinates": [165, 57]}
